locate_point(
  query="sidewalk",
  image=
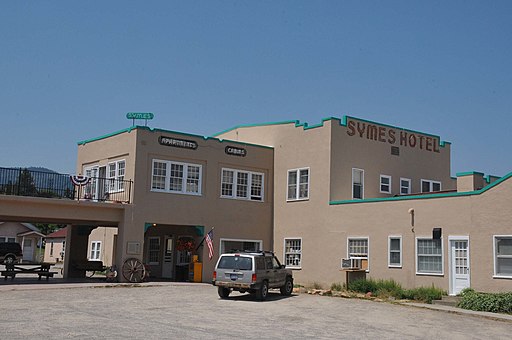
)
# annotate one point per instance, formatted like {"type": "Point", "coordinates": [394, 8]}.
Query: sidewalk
{"type": "Point", "coordinates": [455, 310]}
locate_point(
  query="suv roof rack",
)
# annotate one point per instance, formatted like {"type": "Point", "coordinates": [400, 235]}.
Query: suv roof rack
{"type": "Point", "coordinates": [250, 251]}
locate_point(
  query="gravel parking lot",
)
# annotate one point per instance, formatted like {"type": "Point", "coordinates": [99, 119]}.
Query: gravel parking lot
{"type": "Point", "coordinates": [194, 311]}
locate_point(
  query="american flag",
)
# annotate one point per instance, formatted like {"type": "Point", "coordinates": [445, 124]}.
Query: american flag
{"type": "Point", "coordinates": [209, 243]}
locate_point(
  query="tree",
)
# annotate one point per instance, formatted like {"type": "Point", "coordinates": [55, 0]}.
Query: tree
{"type": "Point", "coordinates": [48, 228]}
{"type": "Point", "coordinates": [26, 186]}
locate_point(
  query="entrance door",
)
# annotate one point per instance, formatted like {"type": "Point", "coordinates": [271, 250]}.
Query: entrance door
{"type": "Point", "coordinates": [459, 265]}
{"type": "Point", "coordinates": [168, 260]}
{"type": "Point", "coordinates": [28, 250]}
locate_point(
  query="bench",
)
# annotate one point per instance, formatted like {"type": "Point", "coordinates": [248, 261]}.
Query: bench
{"type": "Point", "coordinates": [89, 266]}
{"type": "Point", "coordinates": [42, 269]}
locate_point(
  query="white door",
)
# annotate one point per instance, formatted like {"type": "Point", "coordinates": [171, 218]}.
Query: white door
{"type": "Point", "coordinates": [168, 260]}
{"type": "Point", "coordinates": [459, 265]}
{"type": "Point", "coordinates": [28, 249]}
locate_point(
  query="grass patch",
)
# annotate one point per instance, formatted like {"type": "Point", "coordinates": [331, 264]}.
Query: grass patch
{"type": "Point", "coordinates": [391, 288]}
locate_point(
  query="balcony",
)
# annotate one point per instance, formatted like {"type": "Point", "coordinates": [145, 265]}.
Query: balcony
{"type": "Point", "coordinates": [25, 182]}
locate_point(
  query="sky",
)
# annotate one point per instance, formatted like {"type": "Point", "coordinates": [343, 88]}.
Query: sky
{"type": "Point", "coordinates": [71, 70]}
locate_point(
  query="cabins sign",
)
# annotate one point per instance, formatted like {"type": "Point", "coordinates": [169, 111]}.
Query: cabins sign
{"type": "Point", "coordinates": [232, 150]}
{"type": "Point", "coordinates": [385, 134]}
{"type": "Point", "coordinates": [177, 143]}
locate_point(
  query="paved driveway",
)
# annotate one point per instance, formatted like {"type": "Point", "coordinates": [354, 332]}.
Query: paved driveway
{"type": "Point", "coordinates": [194, 311]}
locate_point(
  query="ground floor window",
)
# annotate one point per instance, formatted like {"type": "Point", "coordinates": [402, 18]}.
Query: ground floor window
{"type": "Point", "coordinates": [7, 239]}
{"type": "Point", "coordinates": [227, 245]}
{"type": "Point", "coordinates": [293, 252]}
{"type": "Point", "coordinates": [357, 250]}
{"type": "Point", "coordinates": [395, 251]}
{"type": "Point", "coordinates": [429, 256]}
{"type": "Point", "coordinates": [503, 256]}
{"type": "Point", "coordinates": [154, 250]}
{"type": "Point", "coordinates": [95, 250]}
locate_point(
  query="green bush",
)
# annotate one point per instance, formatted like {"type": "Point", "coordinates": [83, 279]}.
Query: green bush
{"type": "Point", "coordinates": [337, 286]}
{"type": "Point", "coordinates": [391, 288]}
{"type": "Point", "coordinates": [486, 302]}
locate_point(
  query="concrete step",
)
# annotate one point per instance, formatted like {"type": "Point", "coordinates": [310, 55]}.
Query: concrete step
{"type": "Point", "coordinates": [451, 301]}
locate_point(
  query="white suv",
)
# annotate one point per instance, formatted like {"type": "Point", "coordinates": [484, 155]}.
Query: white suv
{"type": "Point", "coordinates": [253, 272]}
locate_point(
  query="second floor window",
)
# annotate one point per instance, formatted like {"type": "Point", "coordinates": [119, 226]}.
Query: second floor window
{"type": "Point", "coordinates": [241, 184]}
{"type": "Point", "coordinates": [298, 184]}
{"type": "Point", "coordinates": [357, 184]}
{"type": "Point", "coordinates": [385, 184]}
{"type": "Point", "coordinates": [176, 177]}
{"type": "Point", "coordinates": [116, 171]}
{"type": "Point", "coordinates": [430, 186]}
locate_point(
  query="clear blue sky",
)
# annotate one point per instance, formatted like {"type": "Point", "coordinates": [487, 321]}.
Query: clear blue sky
{"type": "Point", "coordinates": [71, 70]}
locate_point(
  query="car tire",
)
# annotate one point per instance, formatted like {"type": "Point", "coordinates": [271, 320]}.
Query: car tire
{"type": "Point", "coordinates": [287, 289]}
{"type": "Point", "coordinates": [262, 293]}
{"type": "Point", "coordinates": [9, 259]}
{"type": "Point", "coordinates": [224, 292]}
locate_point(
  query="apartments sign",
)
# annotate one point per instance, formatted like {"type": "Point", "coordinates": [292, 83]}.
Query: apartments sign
{"type": "Point", "coordinates": [177, 143]}
{"type": "Point", "coordinates": [392, 136]}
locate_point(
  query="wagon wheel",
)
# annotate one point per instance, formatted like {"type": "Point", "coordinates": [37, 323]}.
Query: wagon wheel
{"type": "Point", "coordinates": [133, 270]}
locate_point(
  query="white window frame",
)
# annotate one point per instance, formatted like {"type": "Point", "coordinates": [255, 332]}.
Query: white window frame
{"type": "Point", "coordinates": [394, 237]}
{"type": "Point", "coordinates": [250, 183]}
{"type": "Point", "coordinates": [416, 256]}
{"type": "Point", "coordinates": [223, 240]}
{"type": "Point", "coordinates": [297, 184]}
{"type": "Point", "coordinates": [381, 184]}
{"type": "Point", "coordinates": [362, 183]}
{"type": "Point", "coordinates": [431, 184]}
{"type": "Point", "coordinates": [95, 254]}
{"type": "Point", "coordinates": [149, 250]}
{"type": "Point", "coordinates": [495, 256]}
{"type": "Point", "coordinates": [184, 177]}
{"type": "Point", "coordinates": [115, 176]}
{"type": "Point", "coordinates": [360, 238]}
{"type": "Point", "coordinates": [293, 253]}
{"type": "Point", "coordinates": [409, 188]}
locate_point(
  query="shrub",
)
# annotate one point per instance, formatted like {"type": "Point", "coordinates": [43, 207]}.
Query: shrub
{"type": "Point", "coordinates": [363, 286]}
{"type": "Point", "coordinates": [425, 294]}
{"type": "Point", "coordinates": [337, 286]}
{"type": "Point", "coordinates": [391, 288]}
{"type": "Point", "coordinates": [486, 302]}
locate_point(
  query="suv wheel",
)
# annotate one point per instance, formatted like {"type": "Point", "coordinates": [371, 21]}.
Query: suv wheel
{"type": "Point", "coordinates": [224, 292]}
{"type": "Point", "coordinates": [9, 259]}
{"type": "Point", "coordinates": [262, 293]}
{"type": "Point", "coordinates": [287, 289]}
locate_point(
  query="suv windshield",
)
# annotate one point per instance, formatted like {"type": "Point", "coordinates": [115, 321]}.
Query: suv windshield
{"type": "Point", "coordinates": [235, 262]}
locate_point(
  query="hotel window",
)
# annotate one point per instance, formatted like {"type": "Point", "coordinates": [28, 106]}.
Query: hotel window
{"type": "Point", "coordinates": [357, 249]}
{"type": "Point", "coordinates": [95, 250]}
{"type": "Point", "coordinates": [385, 184]}
{"type": "Point", "coordinates": [241, 185]}
{"type": "Point", "coordinates": [503, 256]}
{"type": "Point", "coordinates": [395, 251]}
{"type": "Point", "coordinates": [429, 256]}
{"type": "Point", "coordinates": [298, 184]}
{"type": "Point", "coordinates": [357, 184]}
{"type": "Point", "coordinates": [116, 171]}
{"type": "Point", "coordinates": [405, 186]}
{"type": "Point", "coordinates": [293, 252]}
{"type": "Point", "coordinates": [430, 186]}
{"type": "Point", "coordinates": [154, 250]}
{"type": "Point", "coordinates": [176, 177]}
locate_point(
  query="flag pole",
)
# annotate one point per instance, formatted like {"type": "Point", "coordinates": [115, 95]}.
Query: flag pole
{"type": "Point", "coordinates": [204, 237]}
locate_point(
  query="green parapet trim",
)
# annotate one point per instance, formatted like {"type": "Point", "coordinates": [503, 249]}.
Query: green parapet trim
{"type": "Point", "coordinates": [468, 173]}
{"type": "Point", "coordinates": [199, 230]}
{"type": "Point", "coordinates": [106, 136]}
{"type": "Point", "coordinates": [147, 226]}
{"type": "Point", "coordinates": [428, 196]}
{"type": "Point", "coordinates": [488, 178]}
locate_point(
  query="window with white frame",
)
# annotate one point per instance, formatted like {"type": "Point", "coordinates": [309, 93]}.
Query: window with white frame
{"type": "Point", "coordinates": [357, 249]}
{"type": "Point", "coordinates": [241, 184]}
{"type": "Point", "coordinates": [385, 184]}
{"type": "Point", "coordinates": [7, 239]}
{"type": "Point", "coordinates": [95, 251]}
{"type": "Point", "coordinates": [154, 250]}
{"type": "Point", "coordinates": [429, 256]}
{"type": "Point", "coordinates": [395, 251]}
{"type": "Point", "coordinates": [405, 186]}
{"type": "Point", "coordinates": [176, 177]}
{"type": "Point", "coordinates": [430, 186]}
{"type": "Point", "coordinates": [357, 183]}
{"type": "Point", "coordinates": [116, 171]}
{"type": "Point", "coordinates": [293, 252]}
{"type": "Point", "coordinates": [503, 256]}
{"type": "Point", "coordinates": [298, 184]}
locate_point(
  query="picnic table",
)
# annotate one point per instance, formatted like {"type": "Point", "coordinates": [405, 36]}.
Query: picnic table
{"type": "Point", "coordinates": [41, 269]}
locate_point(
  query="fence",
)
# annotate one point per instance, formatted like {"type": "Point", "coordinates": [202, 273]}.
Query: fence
{"type": "Point", "coordinates": [33, 183]}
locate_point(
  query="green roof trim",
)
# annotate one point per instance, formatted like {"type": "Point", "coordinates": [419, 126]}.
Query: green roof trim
{"type": "Point", "coordinates": [220, 140]}
{"type": "Point", "coordinates": [416, 197]}
{"type": "Point", "coordinates": [342, 121]}
{"type": "Point", "coordinates": [468, 173]}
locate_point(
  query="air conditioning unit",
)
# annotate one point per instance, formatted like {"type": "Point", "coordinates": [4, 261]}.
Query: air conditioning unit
{"type": "Point", "coordinates": [351, 263]}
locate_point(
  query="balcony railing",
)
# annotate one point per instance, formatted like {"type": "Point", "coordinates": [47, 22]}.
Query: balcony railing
{"type": "Point", "coordinates": [25, 182]}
